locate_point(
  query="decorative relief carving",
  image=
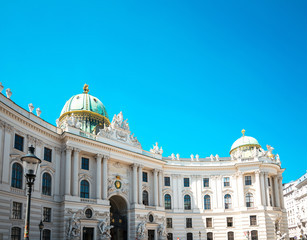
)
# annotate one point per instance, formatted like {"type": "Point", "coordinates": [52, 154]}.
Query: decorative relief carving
{"type": "Point", "coordinates": [112, 189]}
{"type": "Point", "coordinates": [119, 130]}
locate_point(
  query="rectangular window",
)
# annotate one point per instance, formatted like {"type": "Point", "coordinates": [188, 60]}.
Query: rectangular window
{"type": "Point", "coordinates": [145, 177]}
{"type": "Point", "coordinates": [248, 180]}
{"type": "Point", "coordinates": [206, 182]}
{"type": "Point", "coordinates": [253, 220]}
{"type": "Point", "coordinates": [188, 222]}
{"type": "Point", "coordinates": [47, 154]}
{"type": "Point", "coordinates": [169, 222]}
{"type": "Point", "coordinates": [17, 210]}
{"type": "Point", "coordinates": [226, 182]}
{"type": "Point", "coordinates": [167, 181]}
{"type": "Point", "coordinates": [186, 182]}
{"type": "Point", "coordinates": [229, 222]}
{"type": "Point", "coordinates": [209, 222]}
{"type": "Point", "coordinates": [47, 214]}
{"type": "Point", "coordinates": [85, 163]}
{"type": "Point", "coordinates": [18, 142]}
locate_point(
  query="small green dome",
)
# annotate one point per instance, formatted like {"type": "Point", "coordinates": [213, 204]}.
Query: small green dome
{"type": "Point", "coordinates": [85, 101]}
{"type": "Point", "coordinates": [244, 141]}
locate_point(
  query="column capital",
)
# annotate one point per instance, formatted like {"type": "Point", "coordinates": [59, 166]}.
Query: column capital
{"type": "Point", "coordinates": [77, 150]}
{"type": "Point", "coordinates": [106, 157]}
{"type": "Point", "coordinates": [99, 156]}
{"type": "Point", "coordinates": [68, 148]}
{"type": "Point", "coordinates": [154, 171]}
{"type": "Point", "coordinates": [2, 124]}
{"type": "Point", "coordinates": [39, 142]}
{"type": "Point", "coordinates": [8, 127]}
{"type": "Point", "coordinates": [134, 165]}
{"type": "Point", "coordinates": [57, 150]}
{"type": "Point", "coordinates": [140, 166]}
{"type": "Point", "coordinates": [258, 171]}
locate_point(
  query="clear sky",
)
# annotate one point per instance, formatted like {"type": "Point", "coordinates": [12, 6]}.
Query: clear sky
{"type": "Point", "coordinates": [188, 74]}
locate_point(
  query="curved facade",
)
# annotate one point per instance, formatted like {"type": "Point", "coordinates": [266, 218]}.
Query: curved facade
{"type": "Point", "coordinates": [103, 185]}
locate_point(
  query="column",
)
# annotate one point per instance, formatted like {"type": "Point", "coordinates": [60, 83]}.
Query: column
{"type": "Point", "coordinates": [68, 170]}
{"type": "Point", "coordinates": [2, 128]}
{"type": "Point", "coordinates": [140, 184]}
{"type": "Point", "coordinates": [281, 194]}
{"type": "Point", "coordinates": [39, 153]}
{"type": "Point", "coordinates": [235, 189]}
{"type": "Point", "coordinates": [155, 183]}
{"type": "Point", "coordinates": [263, 192]}
{"type": "Point", "coordinates": [98, 175]}
{"type": "Point", "coordinates": [241, 190]}
{"type": "Point", "coordinates": [220, 196]}
{"type": "Point", "coordinates": [134, 182]}
{"type": "Point", "coordinates": [276, 192]}
{"type": "Point", "coordinates": [160, 188]}
{"type": "Point", "coordinates": [75, 172]}
{"type": "Point", "coordinates": [199, 192]}
{"type": "Point", "coordinates": [105, 177]}
{"type": "Point", "coordinates": [57, 170]}
{"type": "Point", "coordinates": [213, 183]}
{"type": "Point", "coordinates": [258, 188]}
{"type": "Point", "coordinates": [267, 190]}
{"type": "Point", "coordinates": [7, 145]}
{"type": "Point", "coordinates": [179, 192]}
{"type": "Point", "coordinates": [175, 191]}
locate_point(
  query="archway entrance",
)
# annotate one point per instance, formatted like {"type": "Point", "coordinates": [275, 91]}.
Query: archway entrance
{"type": "Point", "coordinates": [118, 217]}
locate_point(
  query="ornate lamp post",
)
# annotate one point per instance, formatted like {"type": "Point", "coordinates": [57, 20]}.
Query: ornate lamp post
{"type": "Point", "coordinates": [41, 227]}
{"type": "Point", "coordinates": [30, 165]}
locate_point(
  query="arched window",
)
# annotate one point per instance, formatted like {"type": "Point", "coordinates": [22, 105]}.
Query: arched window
{"type": "Point", "coordinates": [207, 202]}
{"type": "Point", "coordinates": [46, 184]}
{"type": "Point", "coordinates": [189, 236]}
{"type": "Point", "coordinates": [17, 176]}
{"type": "Point", "coordinates": [249, 199]}
{"type": "Point", "coordinates": [16, 233]}
{"type": "Point", "coordinates": [209, 236]}
{"type": "Point", "coordinates": [230, 236]}
{"type": "Point", "coordinates": [187, 202]}
{"type": "Point", "coordinates": [169, 236]}
{"type": "Point", "coordinates": [254, 235]}
{"type": "Point", "coordinates": [167, 201]}
{"type": "Point", "coordinates": [85, 189]}
{"type": "Point", "coordinates": [227, 200]}
{"type": "Point", "coordinates": [145, 198]}
{"type": "Point", "coordinates": [46, 234]}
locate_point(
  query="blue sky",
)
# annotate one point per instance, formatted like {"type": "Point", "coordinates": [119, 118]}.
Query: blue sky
{"type": "Point", "coordinates": [188, 74]}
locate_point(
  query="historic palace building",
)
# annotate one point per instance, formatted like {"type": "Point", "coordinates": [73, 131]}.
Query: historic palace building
{"type": "Point", "coordinates": [295, 195]}
{"type": "Point", "coordinates": [96, 181]}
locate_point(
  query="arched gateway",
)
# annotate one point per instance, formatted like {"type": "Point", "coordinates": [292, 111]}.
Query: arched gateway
{"type": "Point", "coordinates": [118, 217]}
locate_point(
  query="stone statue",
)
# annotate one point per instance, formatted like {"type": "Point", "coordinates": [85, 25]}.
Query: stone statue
{"type": "Point", "coordinates": [73, 229]}
{"type": "Point", "coordinates": [1, 87]}
{"type": "Point", "coordinates": [255, 152]}
{"type": "Point", "coordinates": [57, 122]}
{"type": "Point", "coordinates": [31, 107]}
{"type": "Point", "coordinates": [118, 122]}
{"type": "Point", "coordinates": [140, 232]}
{"type": "Point", "coordinates": [281, 236]}
{"type": "Point", "coordinates": [38, 112]}
{"type": "Point", "coordinates": [197, 157]}
{"type": "Point", "coordinates": [217, 157]}
{"type": "Point", "coordinates": [212, 158]}
{"type": "Point", "coordinates": [192, 157]}
{"type": "Point", "coordinates": [178, 156]}
{"type": "Point", "coordinates": [156, 149]}
{"type": "Point", "coordinates": [173, 156]}
{"type": "Point", "coordinates": [73, 122]}
{"type": "Point", "coordinates": [277, 158]}
{"type": "Point", "coordinates": [161, 231]}
{"type": "Point", "coordinates": [104, 229]}
{"type": "Point", "coordinates": [8, 93]}
{"type": "Point", "coordinates": [269, 152]}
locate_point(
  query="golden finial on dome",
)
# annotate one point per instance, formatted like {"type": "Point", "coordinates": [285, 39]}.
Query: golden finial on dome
{"type": "Point", "coordinates": [85, 88]}
{"type": "Point", "coordinates": [243, 132]}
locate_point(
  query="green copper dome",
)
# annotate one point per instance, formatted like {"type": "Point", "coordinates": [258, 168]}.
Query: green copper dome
{"type": "Point", "coordinates": [88, 110]}
{"type": "Point", "coordinates": [244, 141]}
{"type": "Point", "coordinates": [85, 101]}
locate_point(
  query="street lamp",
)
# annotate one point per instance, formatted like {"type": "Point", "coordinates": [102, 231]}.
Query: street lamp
{"type": "Point", "coordinates": [41, 227]}
{"type": "Point", "coordinates": [30, 165]}
{"type": "Point", "coordinates": [199, 235]}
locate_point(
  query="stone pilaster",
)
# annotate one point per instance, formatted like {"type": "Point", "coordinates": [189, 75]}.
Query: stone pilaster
{"type": "Point", "coordinates": [105, 177]}
{"type": "Point", "coordinates": [160, 187]}
{"type": "Point", "coordinates": [7, 145]}
{"type": "Point", "coordinates": [258, 188]}
{"type": "Point", "coordinates": [276, 192]}
{"type": "Point", "coordinates": [57, 170]}
{"type": "Point", "coordinates": [140, 181]}
{"type": "Point", "coordinates": [68, 170]}
{"type": "Point", "coordinates": [98, 175]}
{"type": "Point", "coordinates": [155, 183]}
{"type": "Point", "coordinates": [75, 173]}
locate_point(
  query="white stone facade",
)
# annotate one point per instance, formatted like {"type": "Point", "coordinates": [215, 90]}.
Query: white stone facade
{"type": "Point", "coordinates": [295, 197]}
{"type": "Point", "coordinates": [118, 171]}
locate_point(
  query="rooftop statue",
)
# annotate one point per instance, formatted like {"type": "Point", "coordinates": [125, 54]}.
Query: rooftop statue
{"type": "Point", "coordinates": [156, 149]}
